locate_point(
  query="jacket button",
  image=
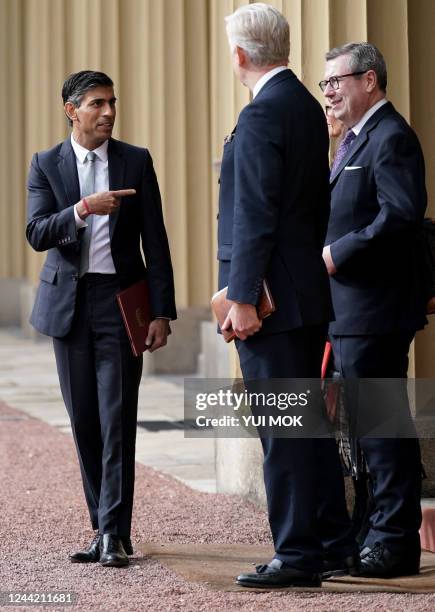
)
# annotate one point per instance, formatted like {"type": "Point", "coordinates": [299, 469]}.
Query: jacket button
{"type": "Point", "coordinates": [75, 277]}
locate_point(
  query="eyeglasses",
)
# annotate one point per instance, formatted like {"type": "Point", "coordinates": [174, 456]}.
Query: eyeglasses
{"type": "Point", "coordinates": [334, 81]}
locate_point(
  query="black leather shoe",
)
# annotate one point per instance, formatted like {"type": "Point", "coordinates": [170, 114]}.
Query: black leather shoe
{"type": "Point", "coordinates": [379, 562]}
{"type": "Point", "coordinates": [128, 546]}
{"type": "Point", "coordinates": [112, 553]}
{"type": "Point", "coordinates": [277, 574]}
{"type": "Point", "coordinates": [333, 566]}
{"type": "Point", "coordinates": [90, 555]}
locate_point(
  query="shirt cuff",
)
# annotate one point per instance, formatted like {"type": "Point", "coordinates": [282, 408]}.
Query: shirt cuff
{"type": "Point", "coordinates": [165, 318]}
{"type": "Point", "coordinates": [79, 221]}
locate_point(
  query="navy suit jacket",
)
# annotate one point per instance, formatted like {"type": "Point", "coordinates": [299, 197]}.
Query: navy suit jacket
{"type": "Point", "coordinates": [377, 208]}
{"type": "Point", "coordinates": [53, 189]}
{"type": "Point", "coordinates": [274, 205]}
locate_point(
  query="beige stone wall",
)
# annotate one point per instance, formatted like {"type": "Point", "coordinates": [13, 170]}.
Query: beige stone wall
{"type": "Point", "coordinates": [177, 95]}
{"type": "Point", "coordinates": [157, 54]}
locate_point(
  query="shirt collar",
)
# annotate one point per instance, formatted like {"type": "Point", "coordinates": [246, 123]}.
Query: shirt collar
{"type": "Point", "coordinates": [266, 77]}
{"type": "Point", "coordinates": [359, 126]}
{"type": "Point", "coordinates": [81, 152]}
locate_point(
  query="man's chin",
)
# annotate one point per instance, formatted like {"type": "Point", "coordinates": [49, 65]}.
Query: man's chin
{"type": "Point", "coordinates": [100, 138]}
{"type": "Point", "coordinates": [337, 113]}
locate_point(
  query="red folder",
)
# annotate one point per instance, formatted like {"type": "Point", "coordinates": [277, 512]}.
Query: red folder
{"type": "Point", "coordinates": [135, 306]}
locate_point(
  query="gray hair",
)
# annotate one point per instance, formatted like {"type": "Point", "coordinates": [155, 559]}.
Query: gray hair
{"type": "Point", "coordinates": [261, 31]}
{"type": "Point", "coordinates": [363, 56]}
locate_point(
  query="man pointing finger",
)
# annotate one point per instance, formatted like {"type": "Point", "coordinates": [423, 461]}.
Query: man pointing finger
{"type": "Point", "coordinates": [92, 202]}
{"type": "Point", "coordinates": [104, 203]}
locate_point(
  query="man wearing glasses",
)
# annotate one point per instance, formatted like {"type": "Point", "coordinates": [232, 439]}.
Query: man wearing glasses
{"type": "Point", "coordinates": [273, 216]}
{"type": "Point", "coordinates": [373, 258]}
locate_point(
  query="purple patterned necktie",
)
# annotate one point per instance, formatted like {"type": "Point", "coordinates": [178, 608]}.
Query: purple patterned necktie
{"type": "Point", "coordinates": [343, 149]}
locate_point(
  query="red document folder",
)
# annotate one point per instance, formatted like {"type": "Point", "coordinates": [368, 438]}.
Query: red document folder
{"type": "Point", "coordinates": [135, 306]}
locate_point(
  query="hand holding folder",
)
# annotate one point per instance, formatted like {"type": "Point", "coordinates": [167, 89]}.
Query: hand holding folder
{"type": "Point", "coordinates": [221, 307]}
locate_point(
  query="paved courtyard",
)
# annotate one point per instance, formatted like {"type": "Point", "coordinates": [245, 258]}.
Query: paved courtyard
{"type": "Point", "coordinates": [189, 541]}
{"type": "Point", "coordinates": [28, 381]}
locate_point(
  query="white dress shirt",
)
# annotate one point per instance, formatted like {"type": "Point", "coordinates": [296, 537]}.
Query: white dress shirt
{"type": "Point", "coordinates": [266, 77]}
{"type": "Point", "coordinates": [359, 126]}
{"type": "Point", "coordinates": [100, 254]}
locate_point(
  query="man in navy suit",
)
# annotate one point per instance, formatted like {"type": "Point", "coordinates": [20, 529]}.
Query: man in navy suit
{"type": "Point", "coordinates": [374, 259]}
{"type": "Point", "coordinates": [92, 202]}
{"type": "Point", "coordinates": [273, 213]}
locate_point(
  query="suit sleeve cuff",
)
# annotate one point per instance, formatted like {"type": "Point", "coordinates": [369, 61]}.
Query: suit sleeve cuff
{"type": "Point", "coordinates": [340, 251]}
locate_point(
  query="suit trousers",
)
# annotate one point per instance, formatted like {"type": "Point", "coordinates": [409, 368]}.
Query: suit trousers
{"type": "Point", "coordinates": [99, 379]}
{"type": "Point", "coordinates": [394, 462]}
{"type": "Point", "coordinates": [303, 477]}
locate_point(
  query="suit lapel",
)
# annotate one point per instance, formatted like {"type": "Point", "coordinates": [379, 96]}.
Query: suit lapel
{"type": "Point", "coordinates": [68, 171]}
{"type": "Point", "coordinates": [359, 141]}
{"type": "Point", "coordinates": [116, 178]}
{"type": "Point", "coordinates": [363, 137]}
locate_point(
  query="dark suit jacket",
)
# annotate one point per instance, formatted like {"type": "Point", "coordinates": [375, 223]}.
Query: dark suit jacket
{"type": "Point", "coordinates": [274, 205]}
{"type": "Point", "coordinates": [53, 187]}
{"type": "Point", "coordinates": [377, 208]}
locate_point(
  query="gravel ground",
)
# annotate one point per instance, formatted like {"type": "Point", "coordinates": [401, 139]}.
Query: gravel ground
{"type": "Point", "coordinates": [43, 518]}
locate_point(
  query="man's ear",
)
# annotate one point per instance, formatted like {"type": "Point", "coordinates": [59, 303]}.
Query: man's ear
{"type": "Point", "coordinates": [372, 80]}
{"type": "Point", "coordinates": [241, 56]}
{"type": "Point", "coordinates": [70, 111]}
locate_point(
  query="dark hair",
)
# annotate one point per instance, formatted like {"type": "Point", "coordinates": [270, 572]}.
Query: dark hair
{"type": "Point", "coordinates": [78, 83]}
{"type": "Point", "coordinates": [363, 56]}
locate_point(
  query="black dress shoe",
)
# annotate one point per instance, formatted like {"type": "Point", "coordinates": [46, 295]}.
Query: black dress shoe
{"type": "Point", "coordinates": [112, 553]}
{"type": "Point", "coordinates": [90, 555]}
{"type": "Point", "coordinates": [379, 562]}
{"type": "Point", "coordinates": [333, 566]}
{"type": "Point", "coordinates": [128, 546]}
{"type": "Point", "coordinates": [277, 574]}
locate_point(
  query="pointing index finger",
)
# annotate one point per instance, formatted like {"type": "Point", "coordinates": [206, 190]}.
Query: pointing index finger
{"type": "Point", "coordinates": [121, 193]}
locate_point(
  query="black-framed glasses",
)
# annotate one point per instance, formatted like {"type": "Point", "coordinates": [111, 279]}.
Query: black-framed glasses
{"type": "Point", "coordinates": [334, 81]}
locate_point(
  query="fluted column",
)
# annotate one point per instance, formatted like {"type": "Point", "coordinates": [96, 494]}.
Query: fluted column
{"type": "Point", "coordinates": [12, 255]}
{"type": "Point", "coordinates": [178, 96]}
